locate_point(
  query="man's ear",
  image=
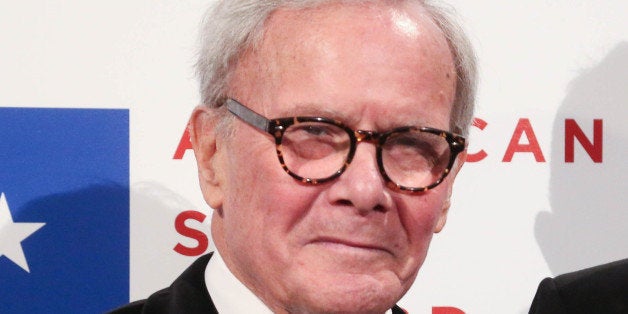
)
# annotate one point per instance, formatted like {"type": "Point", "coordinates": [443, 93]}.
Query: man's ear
{"type": "Point", "coordinates": [460, 159]}
{"type": "Point", "coordinates": [205, 142]}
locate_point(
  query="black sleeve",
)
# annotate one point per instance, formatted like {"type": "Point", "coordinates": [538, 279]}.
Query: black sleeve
{"type": "Point", "coordinates": [132, 308]}
{"type": "Point", "coordinates": [547, 299]}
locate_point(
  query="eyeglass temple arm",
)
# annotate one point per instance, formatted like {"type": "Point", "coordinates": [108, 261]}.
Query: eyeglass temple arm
{"type": "Point", "coordinates": [247, 115]}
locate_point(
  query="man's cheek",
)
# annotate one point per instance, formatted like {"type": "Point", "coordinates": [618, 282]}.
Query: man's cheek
{"type": "Point", "coordinates": [421, 217]}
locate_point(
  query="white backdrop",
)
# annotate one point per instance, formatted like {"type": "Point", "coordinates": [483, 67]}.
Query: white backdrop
{"type": "Point", "coordinates": [512, 222]}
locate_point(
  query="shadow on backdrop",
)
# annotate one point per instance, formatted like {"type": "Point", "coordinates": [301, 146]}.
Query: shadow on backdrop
{"type": "Point", "coordinates": [154, 260]}
{"type": "Point", "coordinates": [588, 222]}
{"type": "Point", "coordinates": [79, 260]}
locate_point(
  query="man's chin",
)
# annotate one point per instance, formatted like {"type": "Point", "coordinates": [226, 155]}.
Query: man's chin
{"type": "Point", "coordinates": [342, 302]}
{"type": "Point", "coordinates": [342, 292]}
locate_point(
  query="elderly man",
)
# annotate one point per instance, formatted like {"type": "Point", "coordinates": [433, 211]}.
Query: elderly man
{"type": "Point", "coordinates": [327, 145]}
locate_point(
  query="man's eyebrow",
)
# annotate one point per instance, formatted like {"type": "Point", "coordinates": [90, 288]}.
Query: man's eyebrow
{"type": "Point", "coordinates": [320, 110]}
{"type": "Point", "coordinates": [383, 123]}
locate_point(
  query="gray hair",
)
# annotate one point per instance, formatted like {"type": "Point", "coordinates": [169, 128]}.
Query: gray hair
{"type": "Point", "coordinates": [233, 26]}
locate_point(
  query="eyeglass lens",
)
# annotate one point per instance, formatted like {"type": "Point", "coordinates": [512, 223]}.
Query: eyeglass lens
{"type": "Point", "coordinates": [317, 150]}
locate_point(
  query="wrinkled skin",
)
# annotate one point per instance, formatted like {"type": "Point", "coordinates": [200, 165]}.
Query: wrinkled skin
{"type": "Point", "coordinates": [350, 245]}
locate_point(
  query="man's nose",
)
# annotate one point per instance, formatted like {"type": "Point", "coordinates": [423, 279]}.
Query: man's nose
{"type": "Point", "coordinates": [361, 185]}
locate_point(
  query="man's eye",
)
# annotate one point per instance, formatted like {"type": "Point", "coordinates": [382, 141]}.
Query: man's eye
{"type": "Point", "coordinates": [316, 130]}
{"type": "Point", "coordinates": [407, 141]}
{"type": "Point", "coordinates": [416, 144]}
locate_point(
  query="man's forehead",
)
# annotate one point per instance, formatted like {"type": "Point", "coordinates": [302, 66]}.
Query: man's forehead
{"type": "Point", "coordinates": [291, 34]}
{"type": "Point", "coordinates": [405, 16]}
{"type": "Point", "coordinates": [321, 49]}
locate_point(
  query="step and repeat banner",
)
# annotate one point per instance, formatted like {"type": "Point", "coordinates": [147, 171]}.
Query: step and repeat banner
{"type": "Point", "coordinates": [99, 197]}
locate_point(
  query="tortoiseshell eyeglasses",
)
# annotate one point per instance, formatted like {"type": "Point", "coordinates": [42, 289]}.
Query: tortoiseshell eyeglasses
{"type": "Point", "coordinates": [315, 150]}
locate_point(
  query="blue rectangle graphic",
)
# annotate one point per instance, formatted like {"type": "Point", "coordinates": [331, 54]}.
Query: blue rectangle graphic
{"type": "Point", "coordinates": [64, 210]}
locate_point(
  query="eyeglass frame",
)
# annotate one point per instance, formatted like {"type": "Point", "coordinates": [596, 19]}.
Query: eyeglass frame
{"type": "Point", "coordinates": [276, 128]}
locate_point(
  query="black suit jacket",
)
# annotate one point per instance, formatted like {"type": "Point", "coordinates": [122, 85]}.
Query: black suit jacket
{"type": "Point", "coordinates": [601, 289]}
{"type": "Point", "coordinates": [187, 294]}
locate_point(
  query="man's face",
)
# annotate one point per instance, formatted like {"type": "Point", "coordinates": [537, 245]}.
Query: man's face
{"type": "Point", "coordinates": [351, 244]}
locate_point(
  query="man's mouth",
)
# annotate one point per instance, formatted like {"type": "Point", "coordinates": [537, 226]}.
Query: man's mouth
{"type": "Point", "coordinates": [351, 245]}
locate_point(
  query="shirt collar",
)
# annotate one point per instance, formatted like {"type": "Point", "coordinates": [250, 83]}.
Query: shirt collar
{"type": "Point", "coordinates": [227, 292]}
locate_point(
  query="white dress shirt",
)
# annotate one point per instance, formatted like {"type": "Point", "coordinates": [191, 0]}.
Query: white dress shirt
{"type": "Point", "coordinates": [229, 295]}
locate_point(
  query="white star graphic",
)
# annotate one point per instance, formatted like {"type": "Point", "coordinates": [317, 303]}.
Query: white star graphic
{"type": "Point", "coordinates": [13, 233]}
